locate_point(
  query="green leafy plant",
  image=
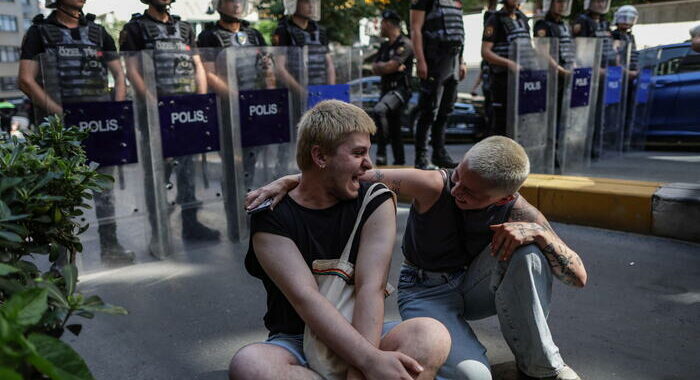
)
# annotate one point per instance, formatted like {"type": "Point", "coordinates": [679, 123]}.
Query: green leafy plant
{"type": "Point", "coordinates": [44, 185]}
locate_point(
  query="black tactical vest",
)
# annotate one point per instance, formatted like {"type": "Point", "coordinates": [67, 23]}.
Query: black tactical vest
{"type": "Point", "coordinates": [600, 29]}
{"type": "Point", "coordinates": [246, 68]}
{"type": "Point", "coordinates": [444, 24]}
{"type": "Point", "coordinates": [562, 31]}
{"type": "Point", "coordinates": [317, 43]}
{"type": "Point", "coordinates": [172, 57]}
{"type": "Point", "coordinates": [515, 29]}
{"type": "Point", "coordinates": [79, 65]}
{"type": "Point", "coordinates": [628, 42]}
{"type": "Point", "coordinates": [399, 79]}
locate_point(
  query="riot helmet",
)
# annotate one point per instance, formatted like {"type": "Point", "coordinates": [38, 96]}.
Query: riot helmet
{"type": "Point", "coordinates": [310, 9]}
{"type": "Point", "coordinates": [233, 10]}
{"type": "Point", "coordinates": [517, 2]}
{"type": "Point", "coordinates": [558, 7]}
{"type": "Point", "coordinates": [626, 14]}
{"type": "Point", "coordinates": [597, 6]}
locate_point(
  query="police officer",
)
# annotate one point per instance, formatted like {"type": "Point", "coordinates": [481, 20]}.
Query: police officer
{"type": "Point", "coordinates": [178, 71]}
{"type": "Point", "coordinates": [553, 26]}
{"type": "Point", "coordinates": [300, 28]}
{"type": "Point", "coordinates": [508, 24]}
{"type": "Point", "coordinates": [394, 62]}
{"type": "Point", "coordinates": [233, 30]}
{"type": "Point", "coordinates": [437, 33]}
{"type": "Point", "coordinates": [625, 17]}
{"type": "Point", "coordinates": [81, 77]}
{"type": "Point", "coordinates": [592, 23]}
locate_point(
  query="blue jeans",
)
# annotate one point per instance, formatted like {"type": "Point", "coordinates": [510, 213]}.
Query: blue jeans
{"type": "Point", "coordinates": [517, 291]}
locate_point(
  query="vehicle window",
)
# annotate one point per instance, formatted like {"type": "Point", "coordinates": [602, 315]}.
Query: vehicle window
{"type": "Point", "coordinates": [370, 87]}
{"type": "Point", "coordinates": [670, 59]}
{"type": "Point", "coordinates": [689, 63]}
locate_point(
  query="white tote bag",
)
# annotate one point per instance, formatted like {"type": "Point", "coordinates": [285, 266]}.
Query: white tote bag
{"type": "Point", "coordinates": [334, 278]}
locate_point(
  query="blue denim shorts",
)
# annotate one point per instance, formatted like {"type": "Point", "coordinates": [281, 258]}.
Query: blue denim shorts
{"type": "Point", "coordinates": [294, 343]}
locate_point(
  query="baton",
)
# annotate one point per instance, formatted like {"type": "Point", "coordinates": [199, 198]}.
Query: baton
{"type": "Point", "coordinates": [120, 174]}
{"type": "Point", "coordinates": [205, 176]}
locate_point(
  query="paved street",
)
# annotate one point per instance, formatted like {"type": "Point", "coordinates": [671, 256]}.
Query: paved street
{"type": "Point", "coordinates": [637, 318]}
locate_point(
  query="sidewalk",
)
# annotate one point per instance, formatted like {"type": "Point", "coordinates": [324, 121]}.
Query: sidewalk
{"type": "Point", "coordinates": [637, 318]}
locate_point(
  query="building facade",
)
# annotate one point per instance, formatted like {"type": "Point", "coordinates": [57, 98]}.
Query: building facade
{"type": "Point", "coordinates": [15, 18]}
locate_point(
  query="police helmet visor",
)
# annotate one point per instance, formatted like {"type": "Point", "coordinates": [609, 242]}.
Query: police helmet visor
{"type": "Point", "coordinates": [626, 15]}
{"type": "Point", "coordinates": [597, 6]}
{"type": "Point", "coordinates": [310, 9]}
{"type": "Point", "coordinates": [233, 8]}
{"type": "Point", "coordinates": [559, 7]}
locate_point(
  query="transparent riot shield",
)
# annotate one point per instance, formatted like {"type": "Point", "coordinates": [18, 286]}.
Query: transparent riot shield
{"type": "Point", "coordinates": [610, 126]}
{"type": "Point", "coordinates": [91, 93]}
{"type": "Point", "coordinates": [184, 177]}
{"type": "Point", "coordinates": [263, 101]}
{"type": "Point", "coordinates": [342, 82]}
{"type": "Point", "coordinates": [635, 137]}
{"type": "Point", "coordinates": [578, 106]}
{"type": "Point", "coordinates": [532, 100]}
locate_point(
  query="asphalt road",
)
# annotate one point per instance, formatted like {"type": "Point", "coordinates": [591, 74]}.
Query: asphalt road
{"type": "Point", "coordinates": [637, 318]}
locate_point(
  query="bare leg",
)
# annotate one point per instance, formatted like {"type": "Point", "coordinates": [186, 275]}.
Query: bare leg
{"type": "Point", "coordinates": [266, 361]}
{"type": "Point", "coordinates": [424, 339]}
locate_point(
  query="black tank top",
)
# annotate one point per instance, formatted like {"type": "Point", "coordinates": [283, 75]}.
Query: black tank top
{"type": "Point", "coordinates": [446, 238]}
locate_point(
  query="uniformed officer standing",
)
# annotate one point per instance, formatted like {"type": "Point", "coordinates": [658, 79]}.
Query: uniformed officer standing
{"type": "Point", "coordinates": [84, 51]}
{"type": "Point", "coordinates": [300, 28]}
{"type": "Point", "coordinates": [625, 17]}
{"type": "Point", "coordinates": [233, 30]}
{"type": "Point", "coordinates": [178, 71]}
{"type": "Point", "coordinates": [592, 23]}
{"type": "Point", "coordinates": [437, 33]}
{"type": "Point", "coordinates": [394, 63]}
{"type": "Point", "coordinates": [502, 28]}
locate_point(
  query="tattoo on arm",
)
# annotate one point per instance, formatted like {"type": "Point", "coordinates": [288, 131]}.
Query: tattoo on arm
{"type": "Point", "coordinates": [561, 263]}
{"type": "Point", "coordinates": [528, 213]}
{"type": "Point", "coordinates": [395, 186]}
{"type": "Point", "coordinates": [378, 176]}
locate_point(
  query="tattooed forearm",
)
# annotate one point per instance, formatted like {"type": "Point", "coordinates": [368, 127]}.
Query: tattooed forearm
{"type": "Point", "coordinates": [562, 262]}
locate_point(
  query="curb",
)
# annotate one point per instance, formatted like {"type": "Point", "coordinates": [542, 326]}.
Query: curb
{"type": "Point", "coordinates": [651, 208]}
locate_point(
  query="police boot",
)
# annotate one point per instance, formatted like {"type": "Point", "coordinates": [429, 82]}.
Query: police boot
{"type": "Point", "coordinates": [442, 159]}
{"type": "Point", "coordinates": [110, 249]}
{"type": "Point", "coordinates": [422, 161]}
{"type": "Point", "coordinates": [193, 230]}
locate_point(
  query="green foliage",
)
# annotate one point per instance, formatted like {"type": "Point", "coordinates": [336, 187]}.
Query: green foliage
{"type": "Point", "coordinates": [44, 184]}
{"type": "Point", "coordinates": [266, 28]}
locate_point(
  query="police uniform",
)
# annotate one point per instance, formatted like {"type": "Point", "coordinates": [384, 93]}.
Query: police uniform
{"type": "Point", "coordinates": [173, 45]}
{"type": "Point", "coordinates": [443, 42]}
{"type": "Point", "coordinates": [502, 29]}
{"type": "Point", "coordinates": [627, 39]}
{"type": "Point", "coordinates": [247, 71]}
{"type": "Point", "coordinates": [551, 27]}
{"type": "Point", "coordinates": [314, 37]}
{"type": "Point", "coordinates": [77, 61]}
{"type": "Point", "coordinates": [395, 93]}
{"type": "Point", "coordinates": [587, 26]}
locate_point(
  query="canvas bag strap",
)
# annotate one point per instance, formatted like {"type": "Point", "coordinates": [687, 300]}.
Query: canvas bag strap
{"type": "Point", "coordinates": [368, 198]}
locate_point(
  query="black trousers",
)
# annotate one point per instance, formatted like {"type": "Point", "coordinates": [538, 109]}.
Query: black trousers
{"type": "Point", "coordinates": [387, 115]}
{"type": "Point", "coordinates": [437, 96]}
{"type": "Point", "coordinates": [499, 104]}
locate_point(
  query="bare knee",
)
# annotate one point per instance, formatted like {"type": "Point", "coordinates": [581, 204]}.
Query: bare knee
{"type": "Point", "coordinates": [247, 363]}
{"type": "Point", "coordinates": [424, 339]}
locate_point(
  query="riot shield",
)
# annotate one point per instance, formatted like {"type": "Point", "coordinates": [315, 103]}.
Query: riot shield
{"type": "Point", "coordinates": [635, 136]}
{"type": "Point", "coordinates": [578, 106]}
{"type": "Point", "coordinates": [609, 135]}
{"type": "Point", "coordinates": [91, 93]}
{"type": "Point", "coordinates": [264, 100]}
{"type": "Point", "coordinates": [344, 82]}
{"type": "Point", "coordinates": [532, 100]}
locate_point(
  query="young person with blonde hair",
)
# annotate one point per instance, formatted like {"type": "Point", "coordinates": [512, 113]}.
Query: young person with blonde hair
{"type": "Point", "coordinates": [314, 221]}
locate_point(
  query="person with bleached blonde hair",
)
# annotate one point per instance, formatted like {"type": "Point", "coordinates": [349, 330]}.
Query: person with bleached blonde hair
{"type": "Point", "coordinates": [314, 221]}
{"type": "Point", "coordinates": [475, 248]}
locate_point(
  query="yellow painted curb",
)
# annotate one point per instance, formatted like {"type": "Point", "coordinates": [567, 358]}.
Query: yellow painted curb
{"type": "Point", "coordinates": [622, 205]}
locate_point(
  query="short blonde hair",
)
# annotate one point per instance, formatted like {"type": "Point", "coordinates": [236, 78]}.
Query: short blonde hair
{"type": "Point", "coordinates": [501, 161]}
{"type": "Point", "coordinates": [327, 124]}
